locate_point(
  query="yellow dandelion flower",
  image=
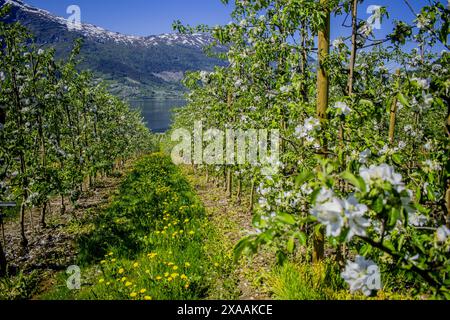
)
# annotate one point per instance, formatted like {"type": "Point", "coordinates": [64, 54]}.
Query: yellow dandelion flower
{"type": "Point", "coordinates": [187, 264]}
{"type": "Point", "coordinates": [135, 265]}
{"type": "Point", "coordinates": [216, 265]}
{"type": "Point", "coordinates": [113, 260]}
{"type": "Point", "coordinates": [143, 291]}
{"type": "Point", "coordinates": [170, 264]}
{"type": "Point", "coordinates": [174, 275]}
{"type": "Point", "coordinates": [147, 298]}
{"type": "Point", "coordinates": [191, 232]}
{"type": "Point", "coordinates": [108, 283]}
{"type": "Point", "coordinates": [133, 294]}
{"type": "Point", "coordinates": [128, 284]}
{"type": "Point", "coordinates": [166, 274]}
{"type": "Point", "coordinates": [123, 279]}
{"type": "Point", "coordinates": [186, 286]}
{"type": "Point", "coordinates": [111, 254]}
{"type": "Point", "coordinates": [175, 268]}
{"type": "Point", "coordinates": [121, 270]}
{"type": "Point", "coordinates": [169, 279]}
{"type": "Point", "coordinates": [158, 278]}
{"type": "Point", "coordinates": [147, 271]}
{"type": "Point", "coordinates": [181, 231]}
{"type": "Point", "coordinates": [183, 277]}
{"type": "Point", "coordinates": [101, 280]}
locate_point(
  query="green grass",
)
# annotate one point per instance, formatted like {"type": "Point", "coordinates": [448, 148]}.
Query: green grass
{"type": "Point", "coordinates": [153, 242]}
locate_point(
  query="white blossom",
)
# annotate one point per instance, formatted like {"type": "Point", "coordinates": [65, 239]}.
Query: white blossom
{"type": "Point", "coordinates": [417, 220]}
{"type": "Point", "coordinates": [330, 214]}
{"type": "Point", "coordinates": [338, 42]}
{"type": "Point", "coordinates": [423, 83]}
{"type": "Point", "coordinates": [430, 166]}
{"type": "Point", "coordinates": [354, 212]}
{"type": "Point", "coordinates": [362, 275]}
{"type": "Point", "coordinates": [2, 76]}
{"type": "Point", "coordinates": [442, 234]}
{"type": "Point", "coordinates": [342, 108]}
{"type": "Point", "coordinates": [364, 156]}
{"type": "Point", "coordinates": [383, 173]}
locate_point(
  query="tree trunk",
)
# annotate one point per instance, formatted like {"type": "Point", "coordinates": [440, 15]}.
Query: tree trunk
{"type": "Point", "coordinates": [229, 183]}
{"type": "Point", "coordinates": [322, 105]}
{"type": "Point", "coordinates": [447, 193]}
{"type": "Point", "coordinates": [43, 214]}
{"type": "Point", "coordinates": [24, 241]}
{"type": "Point", "coordinates": [63, 206]}
{"type": "Point", "coordinates": [393, 119]}
{"type": "Point", "coordinates": [239, 191]}
{"type": "Point", "coordinates": [252, 196]}
{"type": "Point", "coordinates": [351, 76]}
{"type": "Point", "coordinates": [3, 263]}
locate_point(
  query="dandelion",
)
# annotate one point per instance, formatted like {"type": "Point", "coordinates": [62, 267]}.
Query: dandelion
{"type": "Point", "coordinates": [123, 279]}
{"type": "Point", "coordinates": [143, 291]}
{"type": "Point", "coordinates": [175, 268]}
{"type": "Point", "coordinates": [101, 280]}
{"type": "Point", "coordinates": [113, 260]}
{"type": "Point", "coordinates": [128, 284]}
{"type": "Point", "coordinates": [103, 262]}
{"type": "Point", "coordinates": [174, 275]}
{"type": "Point", "coordinates": [158, 278]}
{"type": "Point", "coordinates": [121, 270]}
{"type": "Point", "coordinates": [135, 265]}
{"type": "Point", "coordinates": [133, 294]}
{"type": "Point", "coordinates": [187, 264]}
{"type": "Point", "coordinates": [148, 298]}
{"type": "Point", "coordinates": [216, 265]}
{"type": "Point", "coordinates": [186, 286]}
{"type": "Point", "coordinates": [183, 277]}
{"type": "Point", "coordinates": [170, 279]}
{"type": "Point", "coordinates": [166, 274]}
{"type": "Point", "coordinates": [191, 233]}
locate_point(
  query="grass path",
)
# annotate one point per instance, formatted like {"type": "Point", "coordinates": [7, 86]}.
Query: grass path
{"type": "Point", "coordinates": [233, 221]}
{"type": "Point", "coordinates": [158, 232]}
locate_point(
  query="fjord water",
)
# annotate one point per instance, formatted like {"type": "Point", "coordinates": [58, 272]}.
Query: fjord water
{"type": "Point", "coordinates": [157, 113]}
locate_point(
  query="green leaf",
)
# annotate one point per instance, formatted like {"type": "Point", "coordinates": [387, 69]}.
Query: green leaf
{"type": "Point", "coordinates": [286, 218]}
{"type": "Point", "coordinates": [358, 182]}
{"type": "Point", "coordinates": [301, 236]}
{"type": "Point", "coordinates": [242, 245]}
{"type": "Point", "coordinates": [303, 177]}
{"type": "Point", "coordinates": [402, 99]}
{"type": "Point", "coordinates": [291, 245]}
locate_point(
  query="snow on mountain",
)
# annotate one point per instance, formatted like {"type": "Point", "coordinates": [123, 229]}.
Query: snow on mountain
{"type": "Point", "coordinates": [93, 32]}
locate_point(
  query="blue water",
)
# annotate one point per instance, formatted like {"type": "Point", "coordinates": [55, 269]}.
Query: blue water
{"type": "Point", "coordinates": [157, 113]}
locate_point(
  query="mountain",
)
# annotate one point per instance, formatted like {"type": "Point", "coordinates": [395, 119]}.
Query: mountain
{"type": "Point", "coordinates": [134, 67]}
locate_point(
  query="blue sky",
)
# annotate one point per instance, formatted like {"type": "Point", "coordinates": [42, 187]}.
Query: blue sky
{"type": "Point", "coordinates": [148, 17]}
{"type": "Point", "coordinates": [141, 17]}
